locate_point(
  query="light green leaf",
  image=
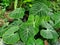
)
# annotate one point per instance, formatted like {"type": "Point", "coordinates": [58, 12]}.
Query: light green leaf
{"type": "Point", "coordinates": [27, 31]}
{"type": "Point", "coordinates": [17, 13]}
{"type": "Point", "coordinates": [31, 41]}
{"type": "Point", "coordinates": [39, 42]}
{"type": "Point", "coordinates": [49, 34]}
{"type": "Point", "coordinates": [35, 20]}
{"type": "Point", "coordinates": [56, 18]}
{"type": "Point", "coordinates": [39, 9]}
{"type": "Point", "coordinates": [11, 36]}
{"type": "Point", "coordinates": [46, 25]}
{"type": "Point", "coordinates": [17, 22]}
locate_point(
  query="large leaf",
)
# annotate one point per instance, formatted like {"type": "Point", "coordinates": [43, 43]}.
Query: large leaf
{"type": "Point", "coordinates": [49, 34]}
{"type": "Point", "coordinates": [11, 36]}
{"type": "Point", "coordinates": [48, 3]}
{"type": "Point", "coordinates": [27, 31]}
{"type": "Point", "coordinates": [39, 9]}
{"type": "Point", "coordinates": [17, 13]}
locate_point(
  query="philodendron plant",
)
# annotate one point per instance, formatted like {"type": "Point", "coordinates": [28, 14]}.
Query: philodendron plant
{"type": "Point", "coordinates": [41, 23]}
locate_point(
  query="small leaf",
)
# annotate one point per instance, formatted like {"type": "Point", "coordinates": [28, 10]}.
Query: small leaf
{"type": "Point", "coordinates": [39, 42]}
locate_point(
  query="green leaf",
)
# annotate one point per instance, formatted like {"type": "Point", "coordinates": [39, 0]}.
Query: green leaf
{"type": "Point", "coordinates": [31, 41]}
{"type": "Point", "coordinates": [46, 25]}
{"type": "Point", "coordinates": [48, 3]}
{"type": "Point", "coordinates": [27, 31]}
{"type": "Point", "coordinates": [35, 20]}
{"type": "Point", "coordinates": [39, 9]}
{"type": "Point", "coordinates": [49, 34]}
{"type": "Point", "coordinates": [11, 36]}
{"type": "Point", "coordinates": [17, 13]}
{"type": "Point", "coordinates": [3, 29]}
{"type": "Point", "coordinates": [19, 43]}
{"type": "Point", "coordinates": [56, 18]}
{"type": "Point", "coordinates": [39, 42]}
{"type": "Point", "coordinates": [17, 22]}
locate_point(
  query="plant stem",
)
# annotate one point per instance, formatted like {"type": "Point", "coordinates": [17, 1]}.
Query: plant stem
{"type": "Point", "coordinates": [21, 3]}
{"type": "Point", "coordinates": [15, 4]}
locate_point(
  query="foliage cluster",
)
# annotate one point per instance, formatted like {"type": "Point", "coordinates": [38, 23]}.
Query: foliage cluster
{"type": "Point", "coordinates": [30, 21]}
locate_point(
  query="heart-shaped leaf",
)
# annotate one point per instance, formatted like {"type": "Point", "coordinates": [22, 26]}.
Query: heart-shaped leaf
{"type": "Point", "coordinates": [11, 36]}
{"type": "Point", "coordinates": [27, 31]}
{"type": "Point", "coordinates": [49, 34]}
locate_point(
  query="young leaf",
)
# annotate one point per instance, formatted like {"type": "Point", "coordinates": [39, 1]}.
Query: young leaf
{"type": "Point", "coordinates": [39, 42]}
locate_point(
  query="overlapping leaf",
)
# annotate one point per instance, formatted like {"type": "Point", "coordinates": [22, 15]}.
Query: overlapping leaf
{"type": "Point", "coordinates": [32, 41]}
{"type": "Point", "coordinates": [27, 31]}
{"type": "Point", "coordinates": [17, 13]}
{"type": "Point", "coordinates": [10, 37]}
{"type": "Point", "coordinates": [49, 34]}
{"type": "Point", "coordinates": [56, 18]}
